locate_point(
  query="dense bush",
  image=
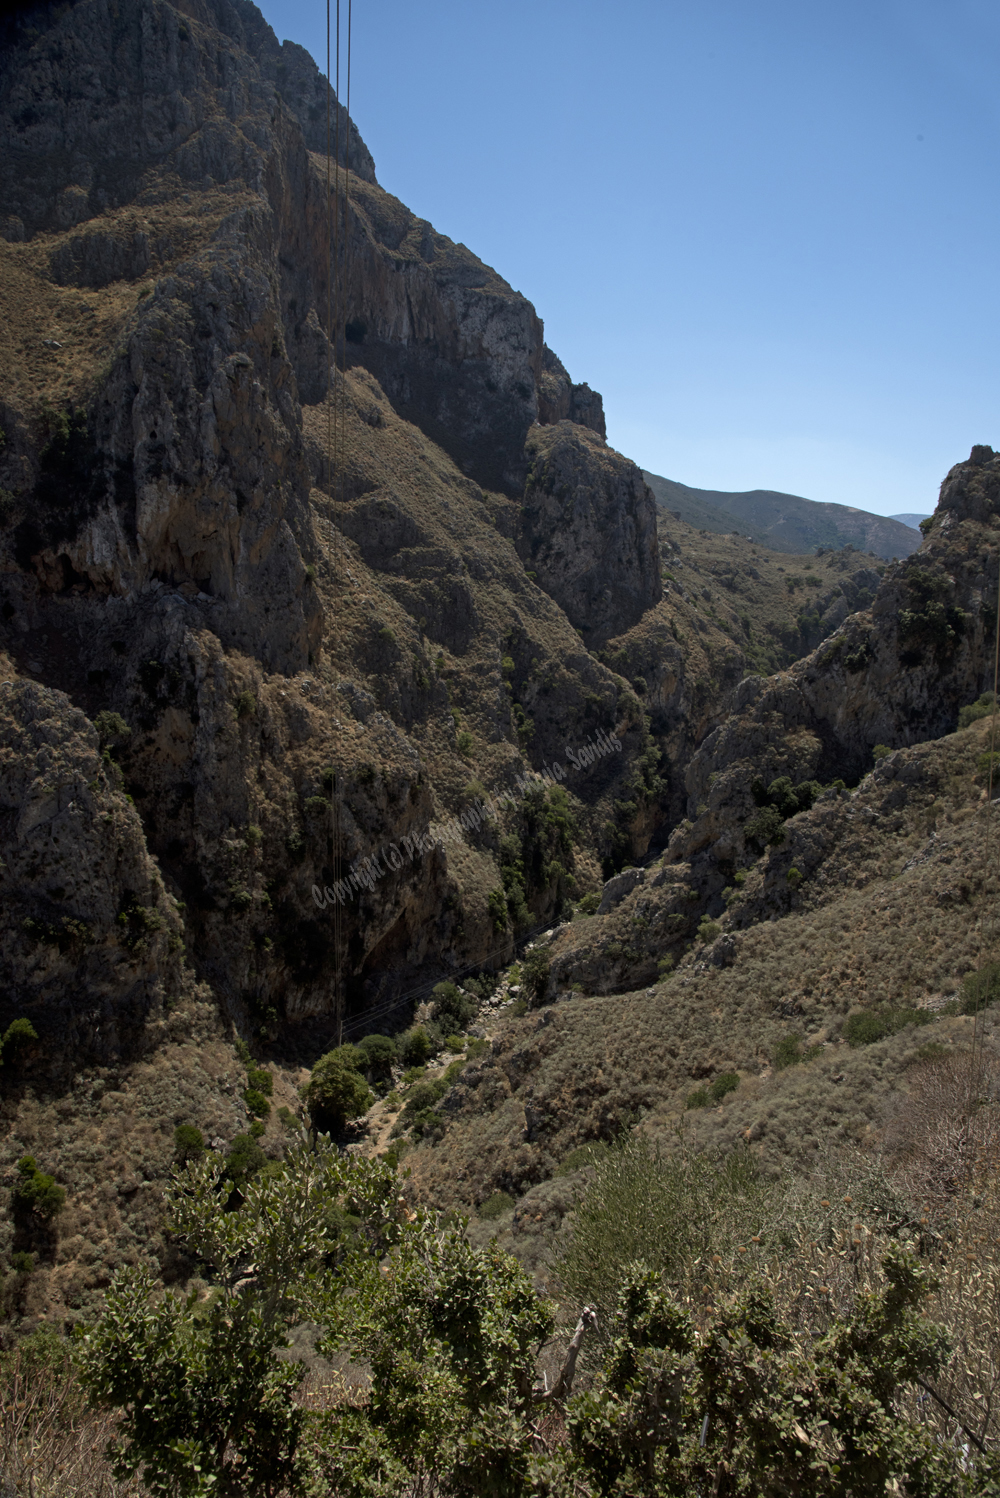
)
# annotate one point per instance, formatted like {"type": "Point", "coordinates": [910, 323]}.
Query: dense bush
{"type": "Point", "coordinates": [18, 1033]}
{"type": "Point", "coordinates": [496, 1206]}
{"type": "Point", "coordinates": [980, 989]}
{"type": "Point", "coordinates": [261, 1079]}
{"type": "Point", "coordinates": [451, 1009]}
{"type": "Point", "coordinates": [336, 1091]}
{"type": "Point", "coordinates": [723, 1085]}
{"type": "Point", "coordinates": [869, 1025]}
{"type": "Point", "coordinates": [669, 1211]}
{"type": "Point", "coordinates": [981, 708]}
{"type": "Point", "coordinates": [380, 1054]}
{"type": "Point", "coordinates": [415, 1046]}
{"type": "Point", "coordinates": [256, 1102]}
{"type": "Point", "coordinates": [112, 730]}
{"type": "Point", "coordinates": [765, 828]}
{"type": "Point", "coordinates": [35, 1194]}
{"type": "Point", "coordinates": [244, 1160]}
{"type": "Point", "coordinates": [535, 976]}
{"type": "Point", "coordinates": [189, 1142]}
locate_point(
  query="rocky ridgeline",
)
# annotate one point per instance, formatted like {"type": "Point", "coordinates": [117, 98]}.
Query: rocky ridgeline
{"type": "Point", "coordinates": [426, 625]}
{"type": "Point", "coordinates": [169, 550]}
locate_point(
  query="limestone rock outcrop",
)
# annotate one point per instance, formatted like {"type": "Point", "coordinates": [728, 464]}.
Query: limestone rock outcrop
{"type": "Point", "coordinates": [91, 939]}
{"type": "Point", "coordinates": [589, 530]}
{"type": "Point", "coordinates": [560, 400]}
{"type": "Point", "coordinates": [895, 674]}
{"type": "Point", "coordinates": [172, 546]}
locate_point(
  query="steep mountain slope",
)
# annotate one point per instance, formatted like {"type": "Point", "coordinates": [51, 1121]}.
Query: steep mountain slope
{"type": "Point", "coordinates": [784, 522]}
{"type": "Point", "coordinates": [743, 951]}
{"type": "Point", "coordinates": [406, 629]}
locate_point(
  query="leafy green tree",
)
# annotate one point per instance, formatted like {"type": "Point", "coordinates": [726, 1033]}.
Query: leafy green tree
{"type": "Point", "coordinates": [380, 1053]}
{"type": "Point", "coordinates": [415, 1046]}
{"type": "Point", "coordinates": [207, 1409]}
{"type": "Point", "coordinates": [452, 1009]}
{"type": "Point", "coordinates": [743, 1406]}
{"type": "Point", "coordinates": [765, 828]}
{"type": "Point", "coordinates": [35, 1195]}
{"type": "Point", "coordinates": [189, 1142]}
{"type": "Point", "coordinates": [112, 730]}
{"type": "Point", "coordinates": [535, 968]}
{"type": "Point", "coordinates": [451, 1335]}
{"type": "Point", "coordinates": [336, 1091]}
{"type": "Point", "coordinates": [17, 1033]}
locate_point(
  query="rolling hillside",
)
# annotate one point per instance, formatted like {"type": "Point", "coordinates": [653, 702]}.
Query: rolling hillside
{"type": "Point", "coordinates": [785, 522]}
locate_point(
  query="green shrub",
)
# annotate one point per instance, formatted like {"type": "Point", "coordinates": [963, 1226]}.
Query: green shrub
{"type": "Point", "coordinates": [589, 904]}
{"type": "Point", "coordinates": [666, 1210]}
{"type": "Point", "coordinates": [451, 1008]}
{"type": "Point", "coordinates": [987, 764]}
{"type": "Point", "coordinates": [245, 705]}
{"type": "Point", "coordinates": [112, 730]}
{"type": "Point", "coordinates": [664, 966]}
{"type": "Point", "coordinates": [424, 1095]}
{"type": "Point", "coordinates": [465, 743]}
{"type": "Point", "coordinates": [415, 1046]}
{"type": "Point", "coordinates": [496, 902]}
{"type": "Point", "coordinates": [535, 970]}
{"type": "Point", "coordinates": [336, 1092]}
{"type": "Point", "coordinates": [880, 752]}
{"type": "Point", "coordinates": [380, 1053]}
{"type": "Point", "coordinates": [788, 1052]}
{"type": "Point", "coordinates": [35, 1194]}
{"type": "Point", "coordinates": [973, 711]}
{"type": "Point", "coordinates": [22, 1263]}
{"type": "Point", "coordinates": [794, 877]}
{"type": "Point", "coordinates": [455, 1044]}
{"type": "Point", "coordinates": [253, 837]}
{"type": "Point", "coordinates": [869, 1025]}
{"type": "Point", "coordinates": [495, 1206]}
{"type": "Point", "coordinates": [256, 1102]}
{"type": "Point", "coordinates": [17, 1033]}
{"type": "Point", "coordinates": [244, 1160]}
{"type": "Point", "coordinates": [708, 930]}
{"type": "Point", "coordinates": [724, 1084]}
{"type": "Point", "coordinates": [697, 1099]}
{"type": "Point", "coordinates": [980, 989]}
{"type": "Point", "coordinates": [259, 1078]}
{"type": "Point", "coordinates": [765, 828]}
{"type": "Point", "coordinates": [189, 1143]}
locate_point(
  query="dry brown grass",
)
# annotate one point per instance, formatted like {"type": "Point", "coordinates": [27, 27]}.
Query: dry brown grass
{"type": "Point", "coordinates": [892, 915]}
{"type": "Point", "coordinates": [51, 1444]}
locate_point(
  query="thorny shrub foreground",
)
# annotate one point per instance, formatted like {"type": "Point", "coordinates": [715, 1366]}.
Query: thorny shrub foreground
{"type": "Point", "coordinates": [729, 1397]}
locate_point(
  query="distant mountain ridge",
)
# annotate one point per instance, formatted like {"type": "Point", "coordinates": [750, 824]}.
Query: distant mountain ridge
{"type": "Point", "coordinates": [785, 522]}
{"type": "Point", "coordinates": [910, 519]}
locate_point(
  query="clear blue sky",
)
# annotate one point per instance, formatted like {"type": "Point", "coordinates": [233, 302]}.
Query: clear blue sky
{"type": "Point", "coordinates": [766, 230]}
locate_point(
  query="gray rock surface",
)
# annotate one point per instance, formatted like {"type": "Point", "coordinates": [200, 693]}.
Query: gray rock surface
{"type": "Point", "coordinates": [589, 530]}
{"type": "Point", "coordinates": [91, 939]}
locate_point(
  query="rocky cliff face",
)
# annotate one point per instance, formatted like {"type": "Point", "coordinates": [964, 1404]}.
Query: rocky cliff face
{"type": "Point", "coordinates": [590, 530]}
{"type": "Point", "coordinates": [92, 941]}
{"type": "Point", "coordinates": [894, 674]}
{"type": "Point", "coordinates": [174, 548]}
